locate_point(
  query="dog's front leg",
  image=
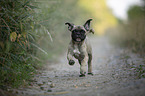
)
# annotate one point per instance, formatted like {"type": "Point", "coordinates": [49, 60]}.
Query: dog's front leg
{"type": "Point", "coordinates": [83, 60]}
{"type": "Point", "coordinates": [70, 56]}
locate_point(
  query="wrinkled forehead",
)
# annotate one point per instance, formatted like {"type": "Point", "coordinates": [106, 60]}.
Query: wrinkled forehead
{"type": "Point", "coordinates": [78, 28]}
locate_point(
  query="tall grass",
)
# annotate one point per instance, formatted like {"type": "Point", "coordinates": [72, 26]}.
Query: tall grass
{"type": "Point", "coordinates": [16, 51]}
{"type": "Point", "coordinates": [131, 34]}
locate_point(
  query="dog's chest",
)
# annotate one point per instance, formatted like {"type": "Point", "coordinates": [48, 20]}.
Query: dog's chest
{"type": "Point", "coordinates": [76, 49]}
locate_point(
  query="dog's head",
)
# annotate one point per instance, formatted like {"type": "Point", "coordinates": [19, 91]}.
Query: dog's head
{"type": "Point", "coordinates": [79, 33]}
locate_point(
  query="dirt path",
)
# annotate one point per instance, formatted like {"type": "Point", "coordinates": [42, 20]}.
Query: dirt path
{"type": "Point", "coordinates": [114, 75]}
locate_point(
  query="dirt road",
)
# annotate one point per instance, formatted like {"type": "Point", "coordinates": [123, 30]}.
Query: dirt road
{"type": "Point", "coordinates": [115, 74]}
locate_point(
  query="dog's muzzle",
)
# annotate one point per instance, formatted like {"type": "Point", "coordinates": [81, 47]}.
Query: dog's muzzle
{"type": "Point", "coordinates": [78, 37]}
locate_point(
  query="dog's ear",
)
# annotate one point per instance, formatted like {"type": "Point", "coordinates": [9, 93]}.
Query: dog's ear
{"type": "Point", "coordinates": [87, 24]}
{"type": "Point", "coordinates": [70, 26]}
{"type": "Point", "coordinates": [92, 31]}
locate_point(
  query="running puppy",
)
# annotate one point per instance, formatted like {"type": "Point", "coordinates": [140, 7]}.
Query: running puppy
{"type": "Point", "coordinates": [79, 47]}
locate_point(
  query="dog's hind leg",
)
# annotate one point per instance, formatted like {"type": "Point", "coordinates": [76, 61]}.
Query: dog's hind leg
{"type": "Point", "coordinates": [90, 64]}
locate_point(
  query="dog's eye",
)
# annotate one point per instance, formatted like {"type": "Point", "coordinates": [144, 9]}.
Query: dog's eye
{"type": "Point", "coordinates": [74, 31]}
{"type": "Point", "coordinates": [82, 31]}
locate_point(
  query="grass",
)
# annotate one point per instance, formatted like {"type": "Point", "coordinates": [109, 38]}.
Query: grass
{"type": "Point", "coordinates": [130, 35]}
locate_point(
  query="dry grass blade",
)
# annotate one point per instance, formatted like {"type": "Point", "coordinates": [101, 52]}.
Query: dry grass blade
{"type": "Point", "coordinates": [39, 48]}
{"type": "Point", "coordinates": [49, 36]}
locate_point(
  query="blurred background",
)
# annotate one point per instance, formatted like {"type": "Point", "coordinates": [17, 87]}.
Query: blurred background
{"type": "Point", "coordinates": [33, 32]}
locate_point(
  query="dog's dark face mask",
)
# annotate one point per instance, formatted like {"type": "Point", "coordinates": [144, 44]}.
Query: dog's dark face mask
{"type": "Point", "coordinates": [79, 32]}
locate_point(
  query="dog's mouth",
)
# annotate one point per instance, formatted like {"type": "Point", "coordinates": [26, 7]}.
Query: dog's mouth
{"type": "Point", "coordinates": [78, 39]}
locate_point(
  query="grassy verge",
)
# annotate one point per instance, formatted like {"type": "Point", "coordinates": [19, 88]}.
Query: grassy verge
{"type": "Point", "coordinates": [16, 52]}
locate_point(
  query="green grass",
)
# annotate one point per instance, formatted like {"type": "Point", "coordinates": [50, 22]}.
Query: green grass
{"type": "Point", "coordinates": [16, 50]}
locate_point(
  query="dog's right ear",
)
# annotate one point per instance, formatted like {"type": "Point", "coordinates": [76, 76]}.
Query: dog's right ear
{"type": "Point", "coordinates": [70, 26]}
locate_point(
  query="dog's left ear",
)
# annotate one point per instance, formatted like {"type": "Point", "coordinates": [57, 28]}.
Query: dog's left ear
{"type": "Point", "coordinates": [87, 25]}
{"type": "Point", "coordinates": [70, 26]}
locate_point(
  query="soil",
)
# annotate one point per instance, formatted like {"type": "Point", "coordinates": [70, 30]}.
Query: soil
{"type": "Point", "coordinates": [115, 74]}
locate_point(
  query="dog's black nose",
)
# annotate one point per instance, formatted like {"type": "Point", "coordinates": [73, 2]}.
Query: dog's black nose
{"type": "Point", "coordinates": [78, 33]}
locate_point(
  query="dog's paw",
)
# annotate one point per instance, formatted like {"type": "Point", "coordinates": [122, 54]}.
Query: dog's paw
{"type": "Point", "coordinates": [71, 62]}
{"type": "Point", "coordinates": [82, 75]}
{"type": "Point", "coordinates": [90, 74]}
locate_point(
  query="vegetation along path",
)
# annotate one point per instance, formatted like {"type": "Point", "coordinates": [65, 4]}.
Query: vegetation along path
{"type": "Point", "coordinates": [117, 72]}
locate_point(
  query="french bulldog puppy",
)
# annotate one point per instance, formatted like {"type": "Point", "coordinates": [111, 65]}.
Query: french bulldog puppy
{"type": "Point", "coordinates": [79, 47]}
